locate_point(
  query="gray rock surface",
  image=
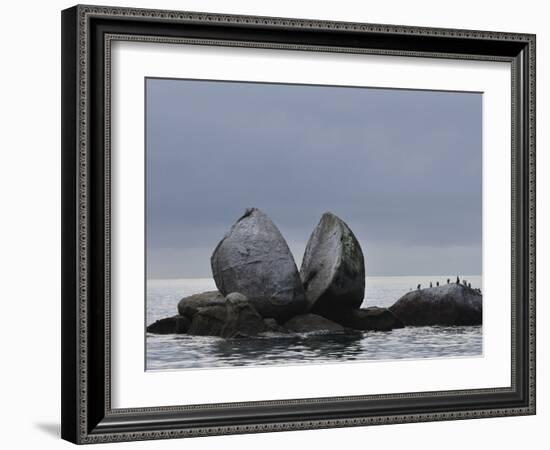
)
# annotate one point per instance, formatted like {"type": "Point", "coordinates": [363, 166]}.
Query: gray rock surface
{"type": "Point", "coordinates": [450, 304]}
{"type": "Point", "coordinates": [232, 318]}
{"type": "Point", "coordinates": [242, 319]}
{"type": "Point", "coordinates": [369, 319]}
{"type": "Point", "coordinates": [307, 323]}
{"type": "Point", "coordinates": [188, 306]}
{"type": "Point", "coordinates": [333, 268]}
{"type": "Point", "coordinates": [274, 327]}
{"type": "Point", "coordinates": [208, 321]}
{"type": "Point", "coordinates": [254, 259]}
{"type": "Point", "coordinates": [170, 325]}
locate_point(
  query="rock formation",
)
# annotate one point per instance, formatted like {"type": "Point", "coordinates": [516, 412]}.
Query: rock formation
{"type": "Point", "coordinates": [242, 319]}
{"type": "Point", "coordinates": [369, 319]}
{"type": "Point", "coordinates": [308, 323]}
{"type": "Point", "coordinates": [233, 317]}
{"type": "Point", "coordinates": [188, 306]}
{"type": "Point", "coordinates": [274, 327]}
{"type": "Point", "coordinates": [208, 321]}
{"type": "Point", "coordinates": [333, 268]}
{"type": "Point", "coordinates": [261, 291]}
{"type": "Point", "coordinates": [451, 304]}
{"type": "Point", "coordinates": [254, 259]}
{"type": "Point", "coordinates": [170, 325]}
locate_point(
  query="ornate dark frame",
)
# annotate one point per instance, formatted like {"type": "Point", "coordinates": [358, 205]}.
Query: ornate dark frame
{"type": "Point", "coordinates": [87, 32]}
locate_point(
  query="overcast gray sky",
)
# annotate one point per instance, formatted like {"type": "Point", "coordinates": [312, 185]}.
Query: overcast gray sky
{"type": "Point", "coordinates": [401, 167]}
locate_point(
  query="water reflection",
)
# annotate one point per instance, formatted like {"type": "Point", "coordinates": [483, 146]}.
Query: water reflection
{"type": "Point", "coordinates": [183, 352]}
{"type": "Point", "coordinates": [285, 348]}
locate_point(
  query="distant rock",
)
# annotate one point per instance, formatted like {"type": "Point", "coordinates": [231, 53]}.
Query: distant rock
{"type": "Point", "coordinates": [188, 306]}
{"type": "Point", "coordinates": [370, 319]}
{"type": "Point", "coordinates": [170, 325]}
{"type": "Point", "coordinates": [333, 268]}
{"type": "Point", "coordinates": [254, 259]}
{"type": "Point", "coordinates": [242, 320]}
{"type": "Point", "coordinates": [449, 304]}
{"type": "Point", "coordinates": [307, 323]}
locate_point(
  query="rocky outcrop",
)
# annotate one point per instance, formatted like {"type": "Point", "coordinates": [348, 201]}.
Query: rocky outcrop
{"type": "Point", "coordinates": [260, 288]}
{"type": "Point", "coordinates": [450, 304]}
{"type": "Point", "coordinates": [274, 327]}
{"type": "Point", "coordinates": [369, 319]}
{"type": "Point", "coordinates": [208, 321]}
{"type": "Point", "coordinates": [188, 306]}
{"type": "Point", "coordinates": [170, 325]}
{"type": "Point", "coordinates": [254, 259]}
{"type": "Point", "coordinates": [232, 318]}
{"type": "Point", "coordinates": [242, 320]}
{"type": "Point", "coordinates": [308, 323]}
{"type": "Point", "coordinates": [333, 268]}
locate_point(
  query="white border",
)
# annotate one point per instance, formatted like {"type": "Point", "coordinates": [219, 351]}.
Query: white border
{"type": "Point", "coordinates": [133, 387]}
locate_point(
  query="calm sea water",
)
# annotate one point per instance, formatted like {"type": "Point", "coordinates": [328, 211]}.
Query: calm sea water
{"type": "Point", "coordinates": [166, 352]}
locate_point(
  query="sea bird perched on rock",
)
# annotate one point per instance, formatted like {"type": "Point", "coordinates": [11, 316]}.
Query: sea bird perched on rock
{"type": "Point", "coordinates": [418, 287]}
{"type": "Point", "coordinates": [452, 304]}
{"type": "Point", "coordinates": [448, 280]}
{"type": "Point", "coordinates": [437, 283]}
{"type": "Point", "coordinates": [457, 279]}
{"type": "Point", "coordinates": [431, 285]}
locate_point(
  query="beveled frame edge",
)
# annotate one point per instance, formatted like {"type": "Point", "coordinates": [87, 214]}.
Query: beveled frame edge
{"type": "Point", "coordinates": [78, 223]}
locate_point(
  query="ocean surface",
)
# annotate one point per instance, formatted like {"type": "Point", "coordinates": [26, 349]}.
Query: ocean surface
{"type": "Point", "coordinates": [168, 352]}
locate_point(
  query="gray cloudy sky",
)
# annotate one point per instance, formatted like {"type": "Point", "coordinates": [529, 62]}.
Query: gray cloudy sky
{"type": "Point", "coordinates": [402, 168]}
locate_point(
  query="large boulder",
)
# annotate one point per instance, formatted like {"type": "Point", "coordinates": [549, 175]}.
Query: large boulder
{"type": "Point", "coordinates": [308, 323]}
{"type": "Point", "coordinates": [369, 319]}
{"type": "Point", "coordinates": [254, 259]}
{"type": "Point", "coordinates": [188, 306]}
{"type": "Point", "coordinates": [169, 325]}
{"type": "Point", "coordinates": [242, 320]}
{"type": "Point", "coordinates": [449, 304]}
{"type": "Point", "coordinates": [333, 268]}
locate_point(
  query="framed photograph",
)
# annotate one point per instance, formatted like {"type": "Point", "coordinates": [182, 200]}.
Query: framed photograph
{"type": "Point", "coordinates": [278, 224]}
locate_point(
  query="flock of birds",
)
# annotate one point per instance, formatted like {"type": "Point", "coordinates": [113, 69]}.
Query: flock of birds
{"type": "Point", "coordinates": [464, 282]}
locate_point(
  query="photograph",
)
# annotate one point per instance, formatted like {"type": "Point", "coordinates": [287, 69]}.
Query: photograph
{"type": "Point", "coordinates": [291, 224]}
{"type": "Point", "coordinates": [296, 221]}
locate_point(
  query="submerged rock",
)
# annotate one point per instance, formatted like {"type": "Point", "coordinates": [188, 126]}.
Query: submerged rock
{"type": "Point", "coordinates": [254, 259]}
{"type": "Point", "coordinates": [242, 319]}
{"type": "Point", "coordinates": [333, 268]}
{"type": "Point", "coordinates": [450, 304]}
{"type": "Point", "coordinates": [170, 325]}
{"type": "Point", "coordinates": [307, 323]}
{"type": "Point", "coordinates": [188, 306]}
{"type": "Point", "coordinates": [370, 319]}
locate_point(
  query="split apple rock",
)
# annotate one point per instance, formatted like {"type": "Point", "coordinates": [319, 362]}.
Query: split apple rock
{"type": "Point", "coordinates": [333, 268]}
{"type": "Point", "coordinates": [254, 259]}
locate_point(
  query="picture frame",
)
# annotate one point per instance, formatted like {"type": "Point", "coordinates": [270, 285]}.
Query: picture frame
{"type": "Point", "coordinates": [87, 365]}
